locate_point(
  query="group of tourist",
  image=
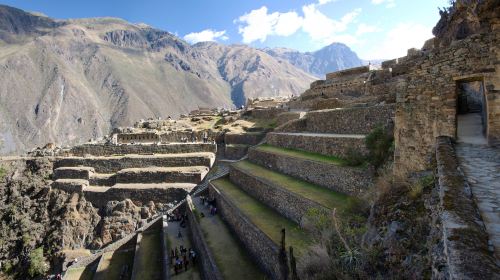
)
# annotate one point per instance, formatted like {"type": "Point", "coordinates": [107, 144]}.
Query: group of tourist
{"type": "Point", "coordinates": [181, 258]}
{"type": "Point", "coordinates": [210, 204]}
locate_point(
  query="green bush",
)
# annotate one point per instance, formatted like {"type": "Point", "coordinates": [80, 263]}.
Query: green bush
{"type": "Point", "coordinates": [38, 265]}
{"type": "Point", "coordinates": [354, 157]}
{"type": "Point", "coordinates": [2, 172]}
{"type": "Point", "coordinates": [380, 145]}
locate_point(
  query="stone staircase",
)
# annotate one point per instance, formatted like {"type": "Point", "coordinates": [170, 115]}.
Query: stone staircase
{"type": "Point", "coordinates": [141, 177]}
{"type": "Point", "coordinates": [282, 184]}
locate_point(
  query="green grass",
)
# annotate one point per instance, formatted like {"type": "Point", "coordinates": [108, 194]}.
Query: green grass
{"type": "Point", "coordinates": [2, 172]}
{"type": "Point", "coordinates": [265, 218]}
{"type": "Point", "coordinates": [232, 260]}
{"type": "Point", "coordinates": [112, 263]}
{"type": "Point", "coordinates": [149, 266]}
{"type": "Point", "coordinates": [302, 154]}
{"type": "Point", "coordinates": [327, 198]}
{"type": "Point", "coordinates": [80, 273]}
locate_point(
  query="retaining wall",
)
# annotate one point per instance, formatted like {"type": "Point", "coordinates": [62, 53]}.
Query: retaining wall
{"type": "Point", "coordinates": [206, 260]}
{"type": "Point", "coordinates": [349, 180]}
{"type": "Point", "coordinates": [160, 175]}
{"type": "Point", "coordinates": [263, 250]}
{"type": "Point", "coordinates": [107, 150]}
{"type": "Point", "coordinates": [356, 120]}
{"type": "Point", "coordinates": [252, 138]}
{"type": "Point", "coordinates": [99, 199]}
{"type": "Point", "coordinates": [115, 164]}
{"type": "Point", "coordinates": [464, 234]}
{"type": "Point", "coordinates": [288, 204]}
{"type": "Point", "coordinates": [331, 146]}
{"type": "Point", "coordinates": [288, 116]}
{"type": "Point", "coordinates": [234, 152]}
{"type": "Point", "coordinates": [267, 113]}
{"type": "Point", "coordinates": [83, 173]}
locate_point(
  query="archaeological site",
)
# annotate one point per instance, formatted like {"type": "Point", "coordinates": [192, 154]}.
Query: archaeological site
{"type": "Point", "coordinates": [387, 171]}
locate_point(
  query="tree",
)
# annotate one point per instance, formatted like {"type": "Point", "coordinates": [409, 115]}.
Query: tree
{"type": "Point", "coordinates": [38, 264]}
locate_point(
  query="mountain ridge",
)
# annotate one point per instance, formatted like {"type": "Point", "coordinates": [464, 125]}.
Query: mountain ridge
{"type": "Point", "coordinates": [65, 81]}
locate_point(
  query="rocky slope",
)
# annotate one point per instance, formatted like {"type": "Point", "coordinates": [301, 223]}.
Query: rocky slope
{"type": "Point", "coordinates": [34, 217]}
{"type": "Point", "coordinates": [334, 57]}
{"type": "Point", "coordinates": [65, 81]}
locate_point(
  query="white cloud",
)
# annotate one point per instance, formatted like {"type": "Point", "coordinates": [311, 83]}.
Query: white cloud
{"type": "Point", "coordinates": [258, 24]}
{"type": "Point", "coordinates": [390, 3]}
{"type": "Point", "coordinates": [364, 28]}
{"type": "Point", "coordinates": [206, 35]}
{"type": "Point", "coordinates": [324, 29]}
{"type": "Point", "coordinates": [398, 40]}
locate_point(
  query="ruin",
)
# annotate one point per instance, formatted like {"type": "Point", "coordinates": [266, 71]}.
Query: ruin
{"type": "Point", "coordinates": [441, 104]}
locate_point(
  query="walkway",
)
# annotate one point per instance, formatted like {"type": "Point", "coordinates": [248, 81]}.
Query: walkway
{"type": "Point", "coordinates": [312, 134]}
{"type": "Point", "coordinates": [470, 129]}
{"type": "Point", "coordinates": [481, 165]}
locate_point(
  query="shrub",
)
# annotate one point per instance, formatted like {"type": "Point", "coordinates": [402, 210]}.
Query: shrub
{"type": "Point", "coordinates": [2, 172]}
{"type": "Point", "coordinates": [38, 265]}
{"type": "Point", "coordinates": [417, 188]}
{"type": "Point", "coordinates": [379, 143]}
{"type": "Point", "coordinates": [354, 157]}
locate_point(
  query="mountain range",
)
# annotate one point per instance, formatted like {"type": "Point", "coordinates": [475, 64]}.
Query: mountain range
{"type": "Point", "coordinates": [65, 81]}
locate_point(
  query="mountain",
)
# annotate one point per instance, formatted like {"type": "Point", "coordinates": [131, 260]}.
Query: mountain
{"type": "Point", "coordinates": [334, 57]}
{"type": "Point", "coordinates": [65, 81]}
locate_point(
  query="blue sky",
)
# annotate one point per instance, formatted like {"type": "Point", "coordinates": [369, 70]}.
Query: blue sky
{"type": "Point", "coordinates": [372, 28]}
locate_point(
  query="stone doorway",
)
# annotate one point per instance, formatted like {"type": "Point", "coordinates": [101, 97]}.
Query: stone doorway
{"type": "Point", "coordinates": [471, 112]}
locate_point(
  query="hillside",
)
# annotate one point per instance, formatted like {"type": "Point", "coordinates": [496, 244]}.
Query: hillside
{"type": "Point", "coordinates": [65, 81]}
{"type": "Point", "coordinates": [331, 58]}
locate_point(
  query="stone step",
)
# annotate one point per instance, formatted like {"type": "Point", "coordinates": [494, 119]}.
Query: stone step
{"type": "Point", "coordinates": [231, 258]}
{"type": "Point", "coordinates": [77, 172]}
{"type": "Point", "coordinates": [172, 148]}
{"type": "Point", "coordinates": [112, 164]}
{"type": "Point", "coordinates": [328, 172]}
{"type": "Point", "coordinates": [100, 179]}
{"type": "Point", "coordinates": [356, 120]}
{"type": "Point", "coordinates": [138, 193]}
{"type": "Point", "coordinates": [148, 255]}
{"type": "Point", "coordinates": [235, 151]}
{"type": "Point", "coordinates": [191, 174]}
{"type": "Point", "coordinates": [326, 144]}
{"type": "Point", "coordinates": [70, 185]}
{"type": "Point", "coordinates": [291, 197]}
{"type": "Point", "coordinates": [257, 226]}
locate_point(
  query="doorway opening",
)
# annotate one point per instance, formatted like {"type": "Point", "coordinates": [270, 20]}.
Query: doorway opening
{"type": "Point", "coordinates": [472, 115]}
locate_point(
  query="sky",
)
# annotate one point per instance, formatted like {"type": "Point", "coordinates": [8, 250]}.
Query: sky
{"type": "Point", "coordinates": [374, 29]}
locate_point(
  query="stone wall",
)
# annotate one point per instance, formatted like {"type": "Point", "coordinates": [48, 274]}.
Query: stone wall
{"type": "Point", "coordinates": [117, 163]}
{"type": "Point", "coordinates": [464, 235]}
{"type": "Point", "coordinates": [83, 173]}
{"type": "Point", "coordinates": [235, 152]}
{"type": "Point", "coordinates": [267, 113]}
{"type": "Point", "coordinates": [292, 126]}
{"type": "Point", "coordinates": [331, 146]}
{"type": "Point", "coordinates": [288, 116]}
{"type": "Point", "coordinates": [162, 175]}
{"type": "Point", "coordinates": [263, 250]}
{"type": "Point", "coordinates": [206, 260]}
{"type": "Point", "coordinates": [107, 150]}
{"type": "Point", "coordinates": [350, 120]}
{"type": "Point", "coordinates": [349, 180]}
{"type": "Point", "coordinates": [70, 185]}
{"type": "Point", "coordinates": [428, 105]}
{"type": "Point", "coordinates": [288, 204]}
{"type": "Point", "coordinates": [140, 197]}
{"type": "Point", "coordinates": [250, 138]}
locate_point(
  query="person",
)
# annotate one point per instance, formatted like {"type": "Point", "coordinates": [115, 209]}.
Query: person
{"type": "Point", "coordinates": [179, 234]}
{"type": "Point", "coordinates": [176, 252]}
{"type": "Point", "coordinates": [205, 137]}
{"type": "Point", "coordinates": [172, 256]}
{"type": "Point", "coordinates": [186, 263]}
{"type": "Point", "coordinates": [202, 215]}
{"type": "Point", "coordinates": [192, 254]}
